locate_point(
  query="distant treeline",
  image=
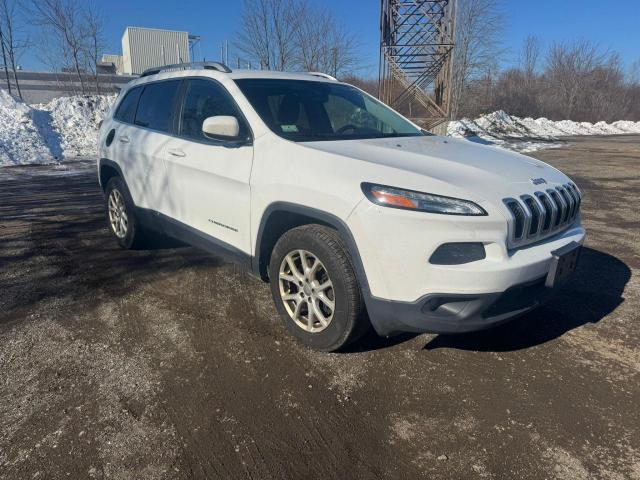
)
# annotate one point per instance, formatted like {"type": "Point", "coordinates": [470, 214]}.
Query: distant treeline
{"type": "Point", "coordinates": [578, 82]}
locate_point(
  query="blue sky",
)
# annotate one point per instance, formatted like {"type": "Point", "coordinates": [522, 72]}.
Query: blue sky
{"type": "Point", "coordinates": [615, 27]}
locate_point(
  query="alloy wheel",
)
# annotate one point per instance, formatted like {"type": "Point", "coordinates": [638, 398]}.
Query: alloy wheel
{"type": "Point", "coordinates": [306, 291]}
{"type": "Point", "coordinates": [117, 214]}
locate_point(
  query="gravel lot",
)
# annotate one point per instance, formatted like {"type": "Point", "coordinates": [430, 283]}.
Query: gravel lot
{"type": "Point", "coordinates": [170, 364]}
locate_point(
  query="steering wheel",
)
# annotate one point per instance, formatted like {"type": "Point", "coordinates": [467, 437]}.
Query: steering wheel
{"type": "Point", "coordinates": [344, 128]}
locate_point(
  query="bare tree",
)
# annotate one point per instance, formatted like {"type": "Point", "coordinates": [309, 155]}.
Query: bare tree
{"type": "Point", "coordinates": [578, 81]}
{"type": "Point", "coordinates": [322, 43]}
{"type": "Point", "coordinates": [570, 69]}
{"type": "Point", "coordinates": [4, 60]}
{"type": "Point", "coordinates": [310, 37]}
{"type": "Point", "coordinates": [286, 34]}
{"type": "Point", "coordinates": [63, 22]}
{"type": "Point", "coordinates": [267, 31]}
{"type": "Point", "coordinates": [8, 35]}
{"type": "Point", "coordinates": [530, 56]}
{"type": "Point", "coordinates": [479, 26]}
{"type": "Point", "coordinates": [94, 42]}
{"type": "Point", "coordinates": [633, 74]}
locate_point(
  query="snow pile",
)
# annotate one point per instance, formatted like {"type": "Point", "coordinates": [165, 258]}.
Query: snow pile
{"type": "Point", "coordinates": [20, 140]}
{"type": "Point", "coordinates": [75, 120]}
{"type": "Point", "coordinates": [63, 128]}
{"type": "Point", "coordinates": [528, 134]}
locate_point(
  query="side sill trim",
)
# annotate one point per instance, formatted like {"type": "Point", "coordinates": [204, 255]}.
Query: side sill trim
{"type": "Point", "coordinates": [171, 227]}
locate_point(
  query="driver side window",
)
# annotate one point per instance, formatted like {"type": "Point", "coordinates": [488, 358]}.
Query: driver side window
{"type": "Point", "coordinates": [204, 99]}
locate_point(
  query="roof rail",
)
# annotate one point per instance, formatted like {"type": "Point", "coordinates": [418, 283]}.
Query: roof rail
{"type": "Point", "coordinates": [220, 67]}
{"type": "Point", "coordinates": [322, 75]}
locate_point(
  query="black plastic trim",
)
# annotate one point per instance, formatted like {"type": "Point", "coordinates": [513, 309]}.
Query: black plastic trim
{"type": "Point", "coordinates": [260, 259]}
{"type": "Point", "coordinates": [443, 255]}
{"type": "Point", "coordinates": [105, 162]}
{"type": "Point", "coordinates": [456, 313]}
{"type": "Point", "coordinates": [171, 227]}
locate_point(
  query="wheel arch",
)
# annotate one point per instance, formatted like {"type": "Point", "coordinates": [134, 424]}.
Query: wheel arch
{"type": "Point", "coordinates": [280, 217]}
{"type": "Point", "coordinates": [108, 169]}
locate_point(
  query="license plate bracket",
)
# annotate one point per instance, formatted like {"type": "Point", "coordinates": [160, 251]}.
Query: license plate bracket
{"type": "Point", "coordinates": [563, 264]}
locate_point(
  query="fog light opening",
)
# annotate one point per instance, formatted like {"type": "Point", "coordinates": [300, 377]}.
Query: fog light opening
{"type": "Point", "coordinates": [458, 253]}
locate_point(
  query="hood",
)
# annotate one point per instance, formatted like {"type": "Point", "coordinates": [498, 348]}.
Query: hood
{"type": "Point", "coordinates": [459, 163]}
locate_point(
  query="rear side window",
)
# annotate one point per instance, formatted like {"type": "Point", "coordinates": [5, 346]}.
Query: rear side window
{"type": "Point", "coordinates": [127, 108]}
{"type": "Point", "coordinates": [155, 108]}
{"type": "Point", "coordinates": [205, 99]}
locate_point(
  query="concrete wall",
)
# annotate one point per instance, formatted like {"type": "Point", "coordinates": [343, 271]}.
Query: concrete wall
{"type": "Point", "coordinates": [41, 87]}
{"type": "Point", "coordinates": [144, 48]}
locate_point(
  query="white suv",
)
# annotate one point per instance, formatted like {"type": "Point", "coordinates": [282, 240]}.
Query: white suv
{"type": "Point", "coordinates": [354, 214]}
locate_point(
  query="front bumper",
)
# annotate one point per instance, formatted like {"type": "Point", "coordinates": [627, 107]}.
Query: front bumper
{"type": "Point", "coordinates": [408, 293]}
{"type": "Point", "coordinates": [456, 313]}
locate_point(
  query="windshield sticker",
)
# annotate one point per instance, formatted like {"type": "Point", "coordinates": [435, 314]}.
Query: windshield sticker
{"type": "Point", "coordinates": [289, 128]}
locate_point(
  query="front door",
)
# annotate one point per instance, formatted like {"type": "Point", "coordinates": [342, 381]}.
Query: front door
{"type": "Point", "coordinates": [209, 179]}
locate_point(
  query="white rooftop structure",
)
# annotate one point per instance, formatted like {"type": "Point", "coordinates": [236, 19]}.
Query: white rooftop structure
{"type": "Point", "coordinates": [144, 48]}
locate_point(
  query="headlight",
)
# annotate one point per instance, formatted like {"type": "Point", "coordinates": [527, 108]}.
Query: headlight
{"type": "Point", "coordinates": [422, 202]}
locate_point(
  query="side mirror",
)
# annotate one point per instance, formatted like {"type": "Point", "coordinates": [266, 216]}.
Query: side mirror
{"type": "Point", "coordinates": [221, 127]}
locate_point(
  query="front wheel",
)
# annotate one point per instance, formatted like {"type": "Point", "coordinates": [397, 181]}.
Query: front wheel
{"type": "Point", "coordinates": [123, 222]}
{"type": "Point", "coordinates": [315, 288]}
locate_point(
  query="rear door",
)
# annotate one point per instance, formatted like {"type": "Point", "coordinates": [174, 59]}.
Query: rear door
{"type": "Point", "coordinates": [144, 144]}
{"type": "Point", "coordinates": [209, 179]}
{"type": "Point", "coordinates": [120, 148]}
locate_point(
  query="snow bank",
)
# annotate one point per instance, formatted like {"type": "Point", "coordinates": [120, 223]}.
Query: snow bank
{"type": "Point", "coordinates": [63, 128]}
{"type": "Point", "coordinates": [75, 121]}
{"type": "Point", "coordinates": [526, 134]}
{"type": "Point", "coordinates": [20, 140]}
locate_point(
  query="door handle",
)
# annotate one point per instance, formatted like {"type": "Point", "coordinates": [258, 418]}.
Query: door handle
{"type": "Point", "coordinates": [124, 139]}
{"type": "Point", "coordinates": [176, 152]}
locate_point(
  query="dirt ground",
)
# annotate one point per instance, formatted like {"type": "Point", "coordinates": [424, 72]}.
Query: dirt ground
{"type": "Point", "coordinates": [170, 364]}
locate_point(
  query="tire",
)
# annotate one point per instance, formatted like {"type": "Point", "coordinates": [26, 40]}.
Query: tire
{"type": "Point", "coordinates": [133, 237]}
{"type": "Point", "coordinates": [339, 326]}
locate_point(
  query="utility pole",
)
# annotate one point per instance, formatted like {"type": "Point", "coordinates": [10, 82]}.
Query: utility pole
{"type": "Point", "coordinates": [4, 61]}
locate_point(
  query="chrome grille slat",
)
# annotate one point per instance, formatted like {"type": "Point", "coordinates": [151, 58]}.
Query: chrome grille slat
{"type": "Point", "coordinates": [558, 202]}
{"type": "Point", "coordinates": [519, 218]}
{"type": "Point", "coordinates": [569, 200]}
{"type": "Point", "coordinates": [550, 210]}
{"type": "Point", "coordinates": [572, 213]}
{"type": "Point", "coordinates": [579, 196]}
{"type": "Point", "coordinates": [576, 197]}
{"type": "Point", "coordinates": [534, 213]}
{"type": "Point", "coordinates": [542, 213]}
{"type": "Point", "coordinates": [564, 206]}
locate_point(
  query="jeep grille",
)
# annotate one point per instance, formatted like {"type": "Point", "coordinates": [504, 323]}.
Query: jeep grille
{"type": "Point", "coordinates": [543, 213]}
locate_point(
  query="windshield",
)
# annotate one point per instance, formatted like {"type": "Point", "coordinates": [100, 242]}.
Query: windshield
{"type": "Point", "coordinates": [303, 111]}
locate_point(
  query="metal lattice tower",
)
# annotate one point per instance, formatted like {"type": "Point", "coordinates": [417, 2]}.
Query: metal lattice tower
{"type": "Point", "coordinates": [416, 47]}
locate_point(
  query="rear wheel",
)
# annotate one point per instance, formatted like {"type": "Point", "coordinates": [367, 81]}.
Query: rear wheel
{"type": "Point", "coordinates": [315, 288]}
{"type": "Point", "coordinates": [123, 222]}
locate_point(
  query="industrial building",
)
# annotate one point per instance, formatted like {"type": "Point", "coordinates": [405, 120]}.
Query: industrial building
{"type": "Point", "coordinates": [144, 48]}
